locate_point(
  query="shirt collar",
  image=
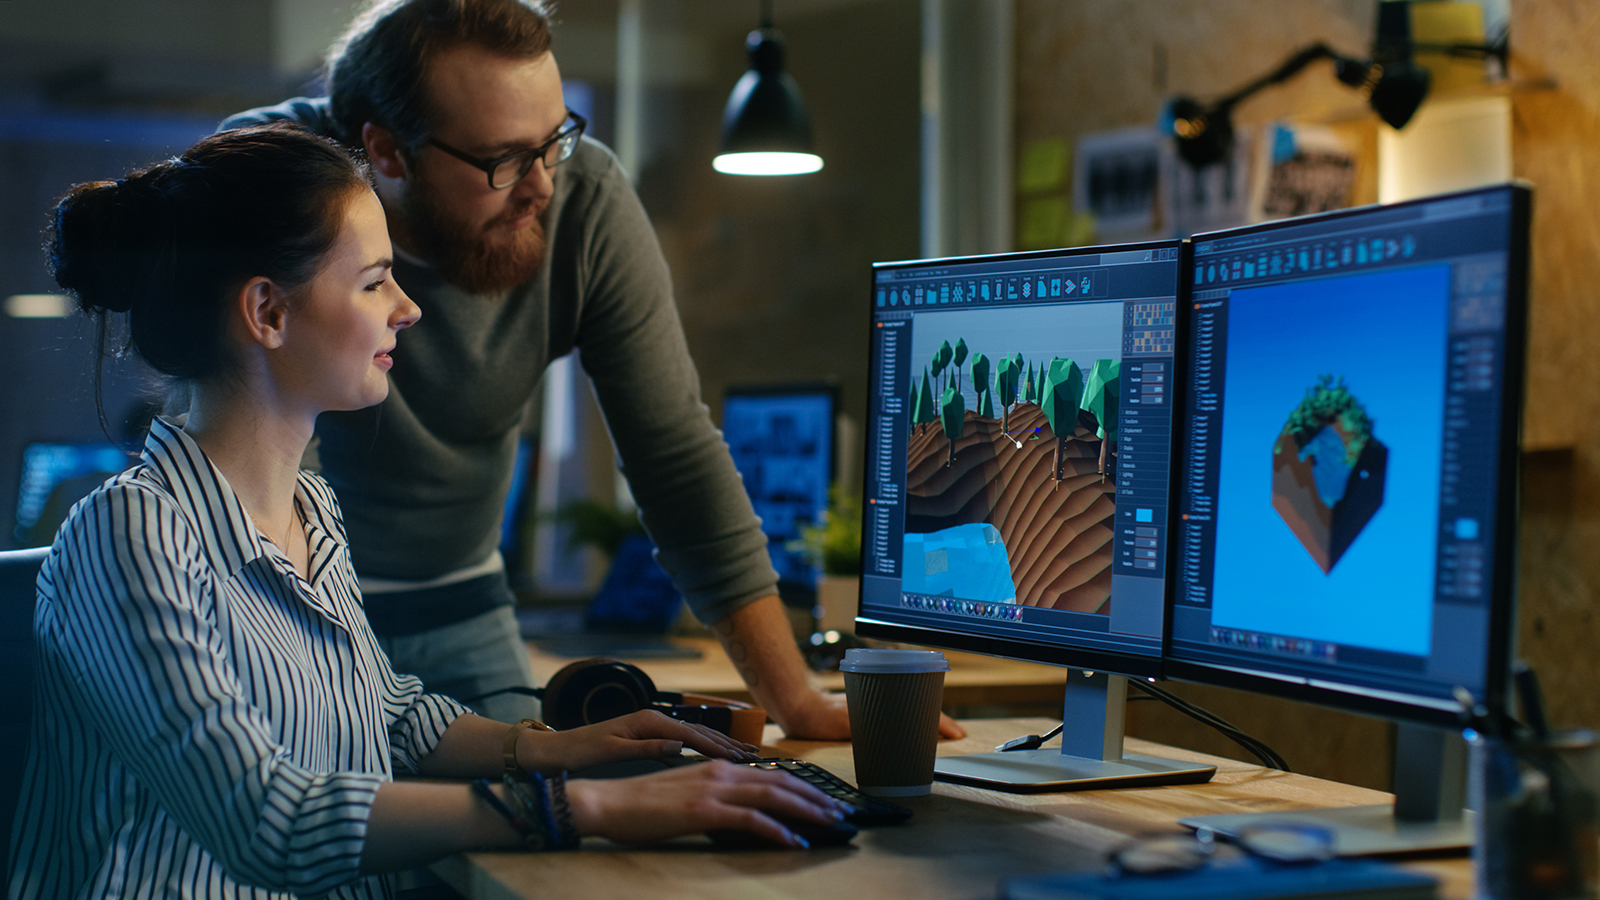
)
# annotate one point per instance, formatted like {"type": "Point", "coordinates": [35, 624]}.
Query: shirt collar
{"type": "Point", "coordinates": [229, 536]}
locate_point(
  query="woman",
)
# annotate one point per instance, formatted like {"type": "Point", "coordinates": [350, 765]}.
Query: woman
{"type": "Point", "coordinates": [213, 715]}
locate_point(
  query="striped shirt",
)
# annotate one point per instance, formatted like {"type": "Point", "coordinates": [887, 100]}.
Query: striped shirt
{"type": "Point", "coordinates": [207, 723]}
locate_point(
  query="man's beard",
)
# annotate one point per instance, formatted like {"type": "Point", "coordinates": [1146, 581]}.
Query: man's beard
{"type": "Point", "coordinates": [479, 259]}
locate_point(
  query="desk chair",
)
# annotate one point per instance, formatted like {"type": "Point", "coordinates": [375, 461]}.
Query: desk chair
{"type": "Point", "coordinates": [19, 569]}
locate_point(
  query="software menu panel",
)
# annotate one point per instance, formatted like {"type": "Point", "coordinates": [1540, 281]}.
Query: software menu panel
{"type": "Point", "coordinates": [1019, 441]}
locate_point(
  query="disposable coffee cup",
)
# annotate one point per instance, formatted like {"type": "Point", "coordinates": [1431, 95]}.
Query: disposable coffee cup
{"type": "Point", "coordinates": [1538, 822]}
{"type": "Point", "coordinates": [894, 717]}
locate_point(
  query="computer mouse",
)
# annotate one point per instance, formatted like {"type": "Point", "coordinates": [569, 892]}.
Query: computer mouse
{"type": "Point", "coordinates": [816, 834]}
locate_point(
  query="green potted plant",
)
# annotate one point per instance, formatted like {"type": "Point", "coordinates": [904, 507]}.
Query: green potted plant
{"type": "Point", "coordinates": [834, 546]}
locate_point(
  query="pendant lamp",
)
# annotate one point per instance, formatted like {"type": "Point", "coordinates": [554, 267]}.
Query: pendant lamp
{"type": "Point", "coordinates": [765, 128]}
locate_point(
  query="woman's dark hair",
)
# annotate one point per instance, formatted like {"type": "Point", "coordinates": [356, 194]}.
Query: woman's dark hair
{"type": "Point", "coordinates": [377, 72]}
{"type": "Point", "coordinates": [168, 243]}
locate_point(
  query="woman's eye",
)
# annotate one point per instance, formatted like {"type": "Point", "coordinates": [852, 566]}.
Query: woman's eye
{"type": "Point", "coordinates": [375, 285]}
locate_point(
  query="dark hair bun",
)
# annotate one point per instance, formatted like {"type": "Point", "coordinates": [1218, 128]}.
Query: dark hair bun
{"type": "Point", "coordinates": [109, 243]}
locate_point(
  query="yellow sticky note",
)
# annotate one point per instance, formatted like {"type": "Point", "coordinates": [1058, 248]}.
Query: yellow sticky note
{"type": "Point", "coordinates": [1044, 165]}
{"type": "Point", "coordinates": [1440, 22]}
{"type": "Point", "coordinates": [1041, 223]}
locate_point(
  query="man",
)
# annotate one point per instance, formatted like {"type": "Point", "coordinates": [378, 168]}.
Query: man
{"type": "Point", "coordinates": [521, 241]}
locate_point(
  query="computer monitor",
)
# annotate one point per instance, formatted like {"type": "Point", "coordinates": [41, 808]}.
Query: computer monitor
{"type": "Point", "coordinates": [54, 477]}
{"type": "Point", "coordinates": [782, 441]}
{"type": "Point", "coordinates": [1345, 505]}
{"type": "Point", "coordinates": [1019, 428]}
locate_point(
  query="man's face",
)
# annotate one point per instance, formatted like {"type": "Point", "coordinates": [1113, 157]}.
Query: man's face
{"type": "Point", "coordinates": [484, 240]}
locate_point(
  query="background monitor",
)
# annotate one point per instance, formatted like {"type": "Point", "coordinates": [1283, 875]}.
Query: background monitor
{"type": "Point", "coordinates": [1019, 430]}
{"type": "Point", "coordinates": [782, 440]}
{"type": "Point", "coordinates": [1345, 508]}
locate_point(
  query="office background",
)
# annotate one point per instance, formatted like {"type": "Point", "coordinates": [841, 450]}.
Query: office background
{"type": "Point", "coordinates": [771, 275]}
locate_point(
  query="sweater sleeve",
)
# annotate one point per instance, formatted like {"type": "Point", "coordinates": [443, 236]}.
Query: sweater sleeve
{"type": "Point", "coordinates": [312, 112]}
{"type": "Point", "coordinates": [631, 344]}
{"type": "Point", "coordinates": [136, 630]}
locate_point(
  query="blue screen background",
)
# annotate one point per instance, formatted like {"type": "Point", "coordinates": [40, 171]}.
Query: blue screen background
{"type": "Point", "coordinates": [1386, 335]}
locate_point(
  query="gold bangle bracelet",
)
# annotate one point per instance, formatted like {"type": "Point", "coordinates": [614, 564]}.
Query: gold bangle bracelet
{"type": "Point", "coordinates": [510, 748]}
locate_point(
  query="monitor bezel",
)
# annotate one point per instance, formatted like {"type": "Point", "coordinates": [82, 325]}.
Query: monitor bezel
{"type": "Point", "coordinates": [1131, 665]}
{"type": "Point", "coordinates": [1502, 613]}
{"type": "Point", "coordinates": [791, 592]}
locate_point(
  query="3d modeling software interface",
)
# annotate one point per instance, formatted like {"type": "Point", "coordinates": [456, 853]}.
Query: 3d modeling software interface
{"type": "Point", "coordinates": [1018, 441]}
{"type": "Point", "coordinates": [1344, 404]}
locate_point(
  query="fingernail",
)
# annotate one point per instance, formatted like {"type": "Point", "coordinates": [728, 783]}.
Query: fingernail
{"type": "Point", "coordinates": [799, 841]}
{"type": "Point", "coordinates": [836, 814]}
{"type": "Point", "coordinates": [674, 746]}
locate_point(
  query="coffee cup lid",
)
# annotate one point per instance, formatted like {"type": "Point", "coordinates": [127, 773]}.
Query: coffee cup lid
{"type": "Point", "coordinates": [869, 659]}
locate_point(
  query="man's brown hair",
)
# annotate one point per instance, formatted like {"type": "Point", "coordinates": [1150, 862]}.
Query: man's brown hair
{"type": "Point", "coordinates": [377, 72]}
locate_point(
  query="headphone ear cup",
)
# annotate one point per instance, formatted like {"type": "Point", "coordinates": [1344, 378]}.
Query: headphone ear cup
{"type": "Point", "coordinates": [594, 690]}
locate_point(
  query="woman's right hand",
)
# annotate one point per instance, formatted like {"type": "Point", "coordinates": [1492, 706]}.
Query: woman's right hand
{"type": "Point", "coordinates": [695, 799]}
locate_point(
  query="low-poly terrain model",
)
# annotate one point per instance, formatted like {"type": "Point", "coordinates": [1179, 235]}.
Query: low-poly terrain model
{"type": "Point", "coordinates": [1328, 471]}
{"type": "Point", "coordinates": [1025, 467]}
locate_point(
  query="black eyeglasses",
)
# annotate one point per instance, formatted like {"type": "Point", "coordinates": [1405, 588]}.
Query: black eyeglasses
{"type": "Point", "coordinates": [1282, 842]}
{"type": "Point", "coordinates": [504, 171]}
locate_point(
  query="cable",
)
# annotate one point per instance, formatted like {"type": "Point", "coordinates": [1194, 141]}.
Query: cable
{"type": "Point", "coordinates": [1261, 751]}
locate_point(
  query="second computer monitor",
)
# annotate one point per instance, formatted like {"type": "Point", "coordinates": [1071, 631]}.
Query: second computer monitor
{"type": "Point", "coordinates": [1018, 440]}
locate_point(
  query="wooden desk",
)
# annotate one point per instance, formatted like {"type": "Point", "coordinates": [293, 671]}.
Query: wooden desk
{"type": "Point", "coordinates": [974, 680]}
{"type": "Point", "coordinates": [960, 844]}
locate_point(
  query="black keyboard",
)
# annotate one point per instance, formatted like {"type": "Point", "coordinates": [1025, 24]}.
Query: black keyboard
{"type": "Point", "coordinates": [868, 810]}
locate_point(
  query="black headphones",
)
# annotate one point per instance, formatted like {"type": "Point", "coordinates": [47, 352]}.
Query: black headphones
{"type": "Point", "coordinates": [594, 690]}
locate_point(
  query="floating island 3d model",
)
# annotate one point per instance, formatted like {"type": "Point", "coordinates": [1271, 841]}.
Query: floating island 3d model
{"type": "Point", "coordinates": [1328, 471]}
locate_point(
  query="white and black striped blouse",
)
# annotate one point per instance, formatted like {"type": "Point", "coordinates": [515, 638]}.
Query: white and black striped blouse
{"type": "Point", "coordinates": [206, 722]}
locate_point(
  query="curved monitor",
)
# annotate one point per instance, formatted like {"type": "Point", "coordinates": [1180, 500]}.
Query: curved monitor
{"type": "Point", "coordinates": [1345, 489]}
{"type": "Point", "coordinates": [1018, 441]}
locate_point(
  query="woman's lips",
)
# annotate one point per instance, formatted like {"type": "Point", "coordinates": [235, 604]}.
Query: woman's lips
{"type": "Point", "coordinates": [384, 360]}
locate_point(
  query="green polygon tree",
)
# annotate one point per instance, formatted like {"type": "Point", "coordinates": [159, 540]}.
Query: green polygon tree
{"type": "Point", "coordinates": [1005, 384]}
{"type": "Point", "coordinates": [1060, 399]}
{"type": "Point", "coordinates": [1029, 395]}
{"type": "Point", "coordinates": [1100, 394]}
{"type": "Point", "coordinates": [941, 359]}
{"type": "Point", "coordinates": [953, 417]}
{"type": "Point", "coordinates": [959, 359]}
{"type": "Point", "coordinates": [923, 411]}
{"type": "Point", "coordinates": [980, 384]}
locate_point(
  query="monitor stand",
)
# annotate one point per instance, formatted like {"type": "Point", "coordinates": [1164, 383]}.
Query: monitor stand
{"type": "Point", "coordinates": [1430, 766]}
{"type": "Point", "coordinates": [1091, 754]}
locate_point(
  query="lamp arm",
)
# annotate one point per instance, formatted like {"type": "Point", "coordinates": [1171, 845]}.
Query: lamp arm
{"type": "Point", "coordinates": [1284, 72]}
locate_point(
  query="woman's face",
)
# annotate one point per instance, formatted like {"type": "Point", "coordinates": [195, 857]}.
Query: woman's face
{"type": "Point", "coordinates": [342, 329]}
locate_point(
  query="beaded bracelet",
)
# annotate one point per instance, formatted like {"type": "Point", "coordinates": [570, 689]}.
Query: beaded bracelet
{"type": "Point", "coordinates": [538, 811]}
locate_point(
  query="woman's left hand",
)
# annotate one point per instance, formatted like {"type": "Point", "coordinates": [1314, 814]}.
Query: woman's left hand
{"type": "Point", "coordinates": [646, 734]}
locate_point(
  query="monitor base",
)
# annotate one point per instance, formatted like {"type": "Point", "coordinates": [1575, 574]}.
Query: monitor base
{"type": "Point", "coordinates": [1358, 830]}
{"type": "Point", "coordinates": [1051, 771]}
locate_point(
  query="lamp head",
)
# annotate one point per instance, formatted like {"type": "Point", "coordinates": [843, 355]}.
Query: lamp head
{"type": "Point", "coordinates": [1204, 135]}
{"type": "Point", "coordinates": [765, 128]}
{"type": "Point", "coordinates": [1399, 89]}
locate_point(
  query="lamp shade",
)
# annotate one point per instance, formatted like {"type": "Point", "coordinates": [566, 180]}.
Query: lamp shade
{"type": "Point", "coordinates": [765, 128]}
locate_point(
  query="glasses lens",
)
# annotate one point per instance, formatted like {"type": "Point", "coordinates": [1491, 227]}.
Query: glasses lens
{"type": "Point", "coordinates": [512, 170]}
{"type": "Point", "coordinates": [561, 150]}
{"type": "Point", "coordinates": [1288, 842]}
{"type": "Point", "coordinates": [1155, 856]}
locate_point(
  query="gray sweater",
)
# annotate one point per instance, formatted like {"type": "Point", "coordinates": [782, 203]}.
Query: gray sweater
{"type": "Point", "coordinates": [423, 477]}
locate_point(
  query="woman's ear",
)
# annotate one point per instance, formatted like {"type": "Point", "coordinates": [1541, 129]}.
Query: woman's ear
{"type": "Point", "coordinates": [264, 311]}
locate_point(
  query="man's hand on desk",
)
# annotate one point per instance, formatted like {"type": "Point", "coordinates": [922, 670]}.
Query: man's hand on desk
{"type": "Point", "coordinates": [762, 648]}
{"type": "Point", "coordinates": [695, 799]}
{"type": "Point", "coordinates": [646, 734]}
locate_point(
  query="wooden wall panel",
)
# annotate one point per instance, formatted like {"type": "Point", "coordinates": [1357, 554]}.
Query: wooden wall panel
{"type": "Point", "coordinates": [1089, 66]}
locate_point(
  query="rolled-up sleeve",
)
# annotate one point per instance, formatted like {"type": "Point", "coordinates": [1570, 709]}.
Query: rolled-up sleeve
{"type": "Point", "coordinates": [135, 632]}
